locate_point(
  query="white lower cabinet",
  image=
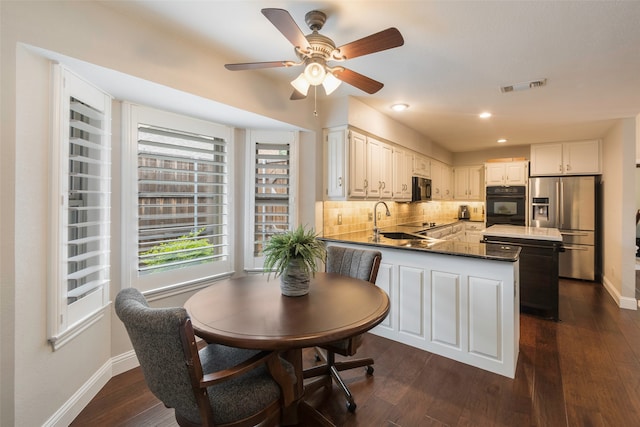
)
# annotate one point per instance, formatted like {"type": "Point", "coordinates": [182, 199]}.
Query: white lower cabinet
{"type": "Point", "coordinates": [460, 307]}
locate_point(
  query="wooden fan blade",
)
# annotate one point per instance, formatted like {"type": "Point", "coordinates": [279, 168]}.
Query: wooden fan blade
{"type": "Point", "coordinates": [295, 96]}
{"type": "Point", "coordinates": [358, 80]}
{"type": "Point", "coordinates": [255, 65]}
{"type": "Point", "coordinates": [283, 21]}
{"type": "Point", "coordinates": [383, 40]}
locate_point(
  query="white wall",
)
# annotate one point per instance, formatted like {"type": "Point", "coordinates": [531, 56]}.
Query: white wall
{"type": "Point", "coordinates": [36, 382]}
{"type": "Point", "coordinates": [619, 222]}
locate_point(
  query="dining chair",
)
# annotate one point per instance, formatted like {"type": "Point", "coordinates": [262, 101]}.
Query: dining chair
{"type": "Point", "coordinates": [216, 385]}
{"type": "Point", "coordinates": [361, 264]}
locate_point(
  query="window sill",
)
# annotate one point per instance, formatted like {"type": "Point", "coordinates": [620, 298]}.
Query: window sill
{"type": "Point", "coordinates": [58, 341]}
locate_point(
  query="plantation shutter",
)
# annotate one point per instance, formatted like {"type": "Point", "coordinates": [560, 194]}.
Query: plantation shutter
{"type": "Point", "coordinates": [182, 199]}
{"type": "Point", "coordinates": [272, 192]}
{"type": "Point", "coordinates": [80, 206]}
{"type": "Point", "coordinates": [88, 195]}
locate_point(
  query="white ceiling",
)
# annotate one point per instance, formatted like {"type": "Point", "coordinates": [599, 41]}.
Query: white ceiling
{"type": "Point", "coordinates": [456, 56]}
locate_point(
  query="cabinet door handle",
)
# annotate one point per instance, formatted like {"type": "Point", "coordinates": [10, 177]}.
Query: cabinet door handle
{"type": "Point", "coordinates": [339, 181]}
{"type": "Point", "coordinates": [366, 183]}
{"type": "Point", "coordinates": [568, 167]}
{"type": "Point", "coordinates": [560, 168]}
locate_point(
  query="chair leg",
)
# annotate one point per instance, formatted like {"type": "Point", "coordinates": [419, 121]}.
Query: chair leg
{"type": "Point", "coordinates": [351, 364]}
{"type": "Point", "coordinates": [351, 404]}
{"type": "Point", "coordinates": [333, 368]}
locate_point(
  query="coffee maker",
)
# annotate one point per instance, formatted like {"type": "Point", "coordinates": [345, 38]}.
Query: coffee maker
{"type": "Point", "coordinates": [463, 212]}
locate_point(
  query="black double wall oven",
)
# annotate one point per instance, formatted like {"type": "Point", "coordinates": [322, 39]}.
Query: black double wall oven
{"type": "Point", "coordinates": [506, 205]}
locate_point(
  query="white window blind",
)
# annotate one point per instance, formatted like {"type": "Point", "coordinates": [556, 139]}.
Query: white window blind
{"type": "Point", "coordinates": [271, 177]}
{"type": "Point", "coordinates": [88, 198]}
{"type": "Point", "coordinates": [272, 192]}
{"type": "Point", "coordinates": [181, 199]}
{"type": "Point", "coordinates": [80, 206]}
{"type": "Point", "coordinates": [177, 197]}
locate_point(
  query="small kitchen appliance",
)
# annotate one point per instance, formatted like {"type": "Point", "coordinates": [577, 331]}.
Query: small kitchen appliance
{"type": "Point", "coordinates": [463, 212]}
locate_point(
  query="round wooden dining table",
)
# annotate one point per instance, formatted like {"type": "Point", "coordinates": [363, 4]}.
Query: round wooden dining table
{"type": "Point", "coordinates": [250, 312]}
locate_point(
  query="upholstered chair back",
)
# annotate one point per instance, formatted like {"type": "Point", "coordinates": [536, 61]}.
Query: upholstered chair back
{"type": "Point", "coordinates": [358, 263]}
{"type": "Point", "coordinates": [155, 335]}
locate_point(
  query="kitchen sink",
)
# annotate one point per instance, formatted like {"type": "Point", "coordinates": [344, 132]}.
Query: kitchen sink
{"type": "Point", "coordinates": [400, 236]}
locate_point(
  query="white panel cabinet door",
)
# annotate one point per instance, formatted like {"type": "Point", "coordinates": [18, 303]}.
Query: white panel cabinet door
{"type": "Point", "coordinates": [582, 157]}
{"type": "Point", "coordinates": [421, 166]}
{"type": "Point", "coordinates": [485, 318]}
{"type": "Point", "coordinates": [357, 165]}
{"type": "Point", "coordinates": [385, 281]}
{"type": "Point", "coordinates": [546, 159]}
{"type": "Point", "coordinates": [374, 174]}
{"type": "Point", "coordinates": [494, 174]}
{"type": "Point", "coordinates": [445, 309]}
{"type": "Point", "coordinates": [411, 296]}
{"type": "Point", "coordinates": [402, 167]}
{"type": "Point", "coordinates": [386, 171]}
{"type": "Point", "coordinates": [335, 158]}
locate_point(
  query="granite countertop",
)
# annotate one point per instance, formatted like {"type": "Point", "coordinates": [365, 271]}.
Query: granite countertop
{"type": "Point", "coordinates": [519, 232]}
{"type": "Point", "coordinates": [492, 251]}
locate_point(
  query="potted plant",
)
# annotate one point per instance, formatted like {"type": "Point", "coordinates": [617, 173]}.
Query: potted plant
{"type": "Point", "coordinates": [293, 256]}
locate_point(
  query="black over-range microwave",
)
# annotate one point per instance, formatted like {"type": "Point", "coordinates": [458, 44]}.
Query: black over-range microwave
{"type": "Point", "coordinates": [420, 189]}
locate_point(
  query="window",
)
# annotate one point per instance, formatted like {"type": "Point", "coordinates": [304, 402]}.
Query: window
{"type": "Point", "coordinates": [270, 172]}
{"type": "Point", "coordinates": [177, 220]}
{"type": "Point", "coordinates": [80, 206]}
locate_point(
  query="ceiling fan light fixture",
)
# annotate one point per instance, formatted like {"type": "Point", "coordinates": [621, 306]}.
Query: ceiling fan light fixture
{"type": "Point", "coordinates": [330, 83]}
{"type": "Point", "coordinates": [301, 84]}
{"type": "Point", "coordinates": [315, 73]}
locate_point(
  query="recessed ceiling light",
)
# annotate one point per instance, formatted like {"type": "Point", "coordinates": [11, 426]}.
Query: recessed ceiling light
{"type": "Point", "coordinates": [485, 115]}
{"type": "Point", "coordinates": [502, 141]}
{"type": "Point", "coordinates": [399, 107]}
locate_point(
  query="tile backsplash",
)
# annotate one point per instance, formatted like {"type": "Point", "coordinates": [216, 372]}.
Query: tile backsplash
{"type": "Point", "coordinates": [358, 215]}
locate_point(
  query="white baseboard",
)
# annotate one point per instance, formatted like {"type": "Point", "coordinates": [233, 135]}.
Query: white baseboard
{"type": "Point", "coordinates": [81, 398]}
{"type": "Point", "coordinates": [124, 362]}
{"type": "Point", "coordinates": [622, 302]}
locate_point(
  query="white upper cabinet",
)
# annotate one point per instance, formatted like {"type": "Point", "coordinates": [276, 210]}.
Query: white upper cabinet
{"type": "Point", "coordinates": [335, 160]}
{"type": "Point", "coordinates": [421, 166]}
{"type": "Point", "coordinates": [468, 183]}
{"type": "Point", "coordinates": [506, 173]}
{"type": "Point", "coordinates": [402, 168]}
{"type": "Point", "coordinates": [566, 158]}
{"type": "Point", "coordinates": [440, 181]}
{"type": "Point", "coordinates": [379, 169]}
{"type": "Point", "coordinates": [357, 166]}
{"type": "Point", "coordinates": [358, 184]}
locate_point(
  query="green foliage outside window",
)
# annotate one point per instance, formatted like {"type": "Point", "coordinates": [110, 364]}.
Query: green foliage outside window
{"type": "Point", "coordinates": [185, 248]}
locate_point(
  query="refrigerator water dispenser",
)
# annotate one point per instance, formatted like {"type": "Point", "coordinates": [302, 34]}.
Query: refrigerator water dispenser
{"type": "Point", "coordinates": [540, 207]}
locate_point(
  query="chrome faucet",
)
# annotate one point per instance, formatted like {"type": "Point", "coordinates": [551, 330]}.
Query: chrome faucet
{"type": "Point", "coordinates": [376, 230]}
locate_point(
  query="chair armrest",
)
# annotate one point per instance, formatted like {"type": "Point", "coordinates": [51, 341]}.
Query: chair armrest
{"type": "Point", "coordinates": [226, 374]}
{"type": "Point", "coordinates": [282, 377]}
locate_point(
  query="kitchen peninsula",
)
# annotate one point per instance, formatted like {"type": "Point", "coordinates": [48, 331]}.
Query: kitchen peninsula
{"type": "Point", "coordinates": [455, 299]}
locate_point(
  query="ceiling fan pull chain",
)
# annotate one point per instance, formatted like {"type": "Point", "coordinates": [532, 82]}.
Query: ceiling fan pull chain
{"type": "Point", "coordinates": [315, 101]}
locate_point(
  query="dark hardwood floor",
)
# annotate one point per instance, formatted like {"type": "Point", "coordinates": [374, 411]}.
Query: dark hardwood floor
{"type": "Point", "coordinates": [581, 371]}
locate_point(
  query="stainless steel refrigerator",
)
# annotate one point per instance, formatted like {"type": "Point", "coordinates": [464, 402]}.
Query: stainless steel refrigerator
{"type": "Point", "coordinates": [570, 204]}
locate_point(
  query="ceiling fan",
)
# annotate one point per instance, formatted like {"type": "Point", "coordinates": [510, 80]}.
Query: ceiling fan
{"type": "Point", "coordinates": [315, 50]}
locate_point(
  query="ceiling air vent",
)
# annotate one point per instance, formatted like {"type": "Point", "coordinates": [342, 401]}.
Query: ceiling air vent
{"type": "Point", "coordinates": [523, 86]}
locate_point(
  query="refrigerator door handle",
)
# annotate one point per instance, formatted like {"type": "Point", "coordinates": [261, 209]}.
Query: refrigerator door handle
{"type": "Point", "coordinates": [576, 248]}
{"type": "Point", "coordinates": [561, 205]}
{"type": "Point", "coordinates": [558, 211]}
